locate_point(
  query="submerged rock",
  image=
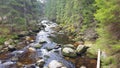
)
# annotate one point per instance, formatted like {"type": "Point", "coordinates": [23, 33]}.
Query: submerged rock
{"type": "Point", "coordinates": [8, 63]}
{"type": "Point", "coordinates": [56, 64]}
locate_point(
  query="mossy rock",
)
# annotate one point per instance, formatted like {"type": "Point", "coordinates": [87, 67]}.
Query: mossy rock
{"type": "Point", "coordinates": [42, 41]}
{"type": "Point", "coordinates": [38, 46]}
{"type": "Point", "coordinates": [69, 52]}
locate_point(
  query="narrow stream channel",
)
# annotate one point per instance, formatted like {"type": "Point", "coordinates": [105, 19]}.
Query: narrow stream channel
{"type": "Point", "coordinates": [49, 51]}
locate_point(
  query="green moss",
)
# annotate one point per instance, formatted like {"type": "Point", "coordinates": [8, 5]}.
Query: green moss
{"type": "Point", "coordinates": [107, 61]}
{"type": "Point", "coordinates": [2, 40]}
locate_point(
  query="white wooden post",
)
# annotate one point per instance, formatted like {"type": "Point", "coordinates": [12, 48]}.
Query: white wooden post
{"type": "Point", "coordinates": [98, 59]}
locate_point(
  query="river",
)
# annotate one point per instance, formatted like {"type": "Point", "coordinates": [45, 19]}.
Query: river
{"type": "Point", "coordinates": [49, 51]}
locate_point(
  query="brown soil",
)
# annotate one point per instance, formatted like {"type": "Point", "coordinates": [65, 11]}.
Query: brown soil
{"type": "Point", "coordinates": [83, 61]}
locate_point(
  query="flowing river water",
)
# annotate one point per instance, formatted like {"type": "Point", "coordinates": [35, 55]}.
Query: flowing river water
{"type": "Point", "coordinates": [49, 51]}
{"type": "Point", "coordinates": [48, 55]}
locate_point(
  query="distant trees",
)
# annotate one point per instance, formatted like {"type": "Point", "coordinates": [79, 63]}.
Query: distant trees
{"type": "Point", "coordinates": [79, 14]}
{"type": "Point", "coordinates": [82, 15]}
{"type": "Point", "coordinates": [20, 11]}
{"type": "Point", "coordinates": [65, 11]}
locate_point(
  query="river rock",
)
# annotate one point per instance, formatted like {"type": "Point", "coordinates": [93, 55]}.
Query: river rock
{"type": "Point", "coordinates": [31, 50]}
{"type": "Point", "coordinates": [11, 48]}
{"type": "Point", "coordinates": [42, 41]}
{"type": "Point", "coordinates": [30, 66]}
{"type": "Point", "coordinates": [4, 50]}
{"type": "Point", "coordinates": [8, 42]}
{"type": "Point", "coordinates": [83, 67]}
{"type": "Point", "coordinates": [29, 39]}
{"type": "Point", "coordinates": [70, 52]}
{"type": "Point", "coordinates": [8, 63]}
{"type": "Point", "coordinates": [19, 64]}
{"type": "Point", "coordinates": [81, 49]}
{"type": "Point", "coordinates": [37, 46]}
{"type": "Point", "coordinates": [69, 45]}
{"type": "Point", "coordinates": [40, 63]}
{"type": "Point", "coordinates": [76, 44]}
{"type": "Point", "coordinates": [56, 64]}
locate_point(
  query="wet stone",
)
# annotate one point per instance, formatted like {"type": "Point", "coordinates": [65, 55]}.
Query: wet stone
{"type": "Point", "coordinates": [37, 46]}
{"type": "Point", "coordinates": [40, 62]}
{"type": "Point", "coordinates": [83, 67]}
{"type": "Point", "coordinates": [56, 64]}
{"type": "Point", "coordinates": [42, 42]}
{"type": "Point", "coordinates": [69, 52]}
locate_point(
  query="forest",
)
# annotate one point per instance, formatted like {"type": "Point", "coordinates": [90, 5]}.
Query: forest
{"type": "Point", "coordinates": [97, 20]}
{"type": "Point", "coordinates": [81, 28]}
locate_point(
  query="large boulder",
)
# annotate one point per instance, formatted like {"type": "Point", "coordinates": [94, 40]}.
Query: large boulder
{"type": "Point", "coordinates": [70, 52]}
{"type": "Point", "coordinates": [56, 64]}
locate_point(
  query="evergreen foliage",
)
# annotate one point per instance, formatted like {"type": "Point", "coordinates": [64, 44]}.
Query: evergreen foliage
{"type": "Point", "coordinates": [81, 15]}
